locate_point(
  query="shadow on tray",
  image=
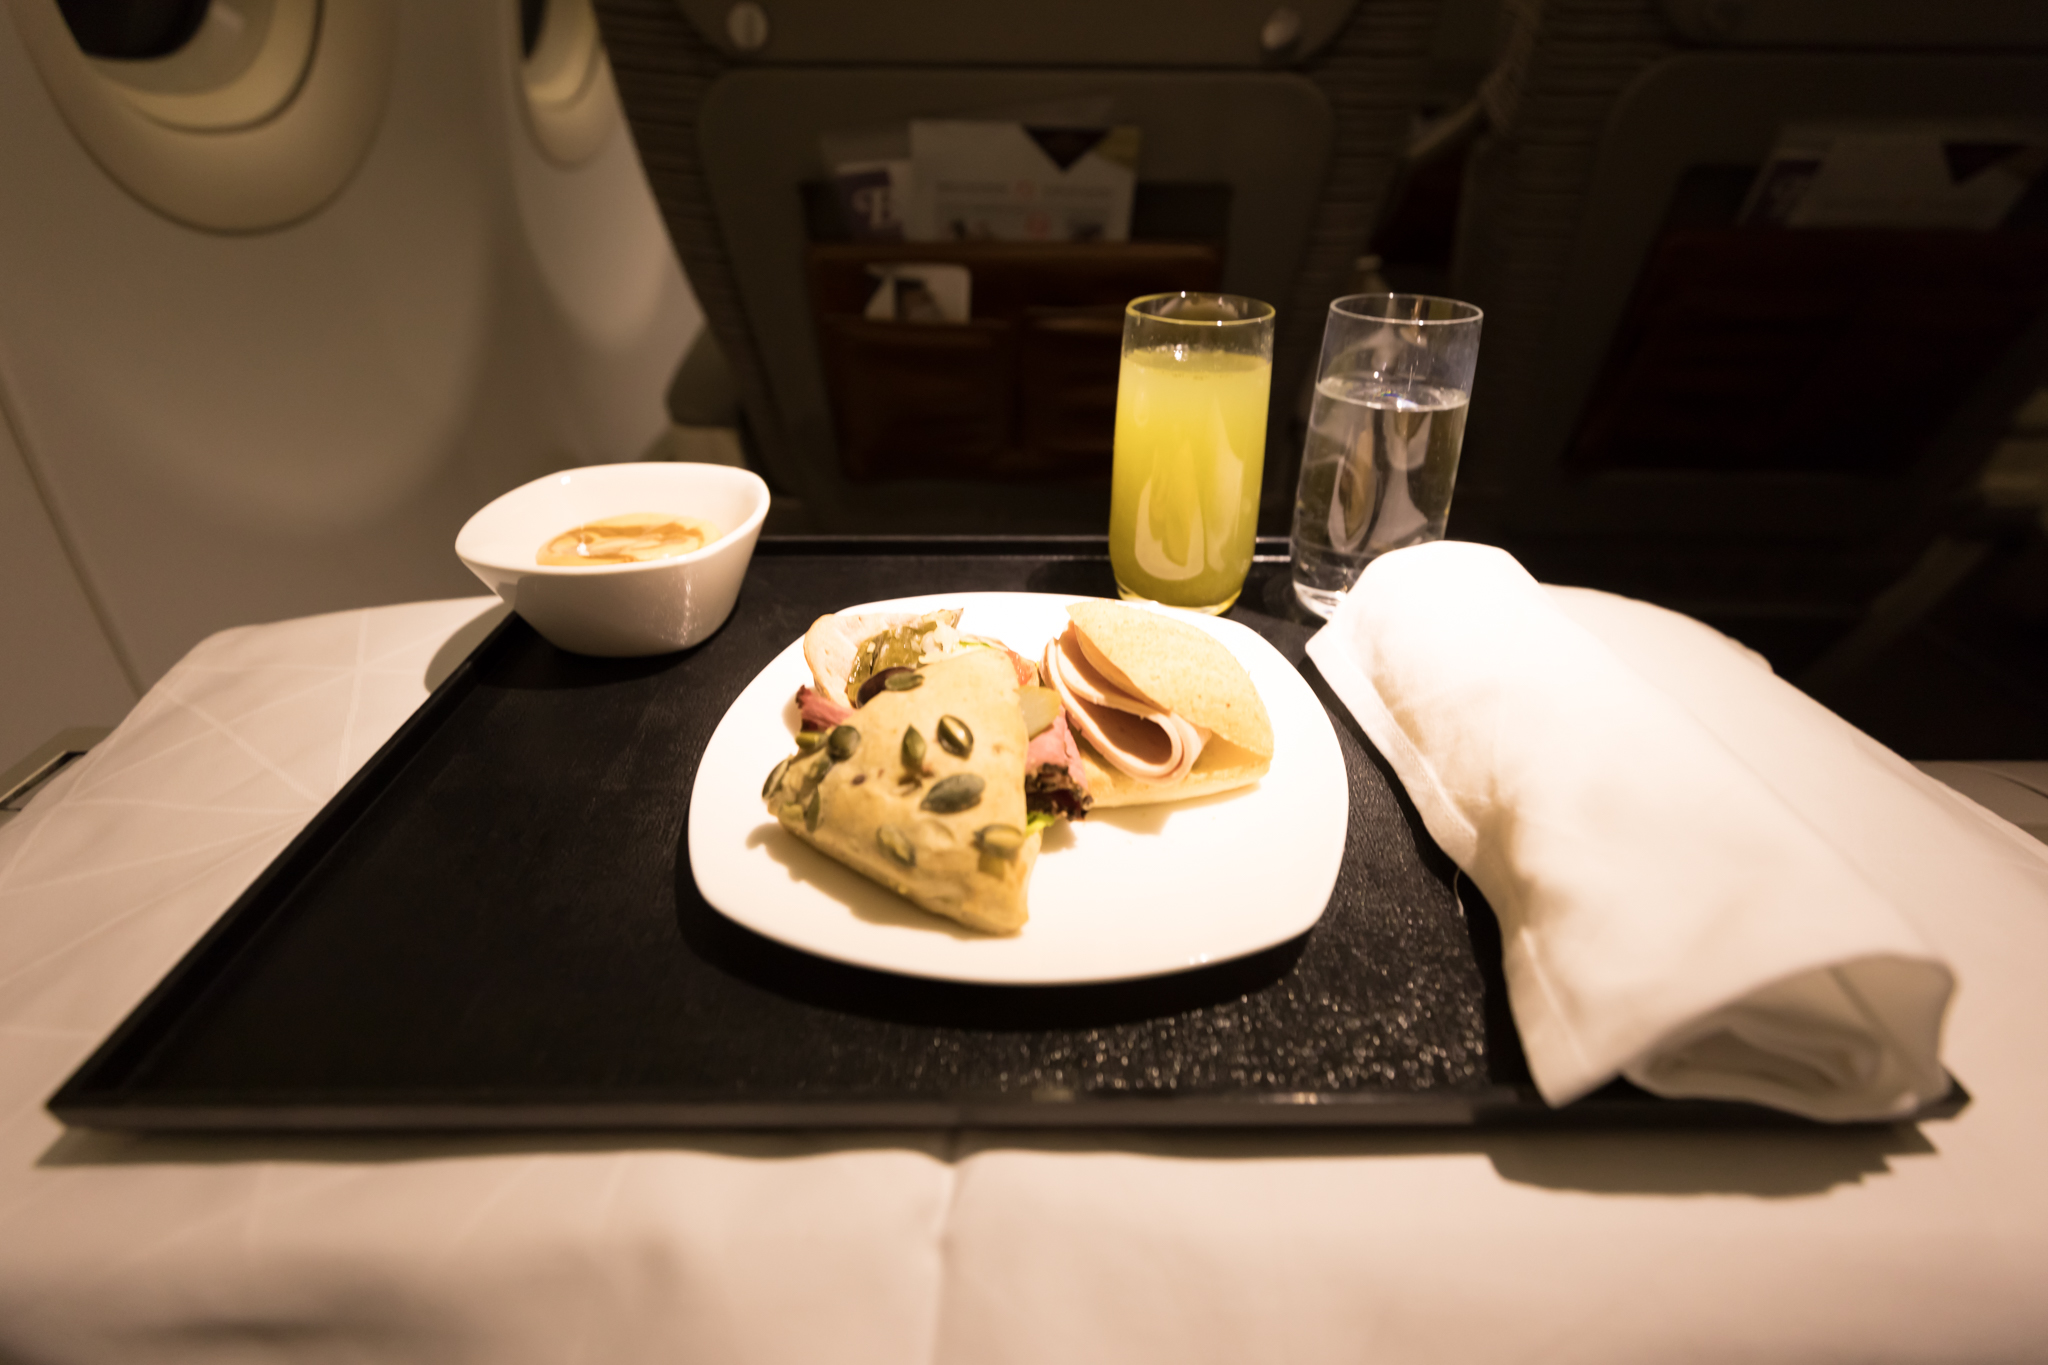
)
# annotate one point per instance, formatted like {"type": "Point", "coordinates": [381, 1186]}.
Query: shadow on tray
{"type": "Point", "coordinates": [801, 977]}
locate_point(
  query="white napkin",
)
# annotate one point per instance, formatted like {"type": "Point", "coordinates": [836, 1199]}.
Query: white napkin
{"type": "Point", "coordinates": [1706, 882]}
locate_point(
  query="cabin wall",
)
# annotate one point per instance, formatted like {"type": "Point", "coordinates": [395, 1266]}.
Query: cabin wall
{"type": "Point", "coordinates": [224, 427]}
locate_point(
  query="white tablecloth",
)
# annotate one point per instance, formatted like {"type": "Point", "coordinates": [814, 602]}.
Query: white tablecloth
{"type": "Point", "coordinates": [1893, 1244]}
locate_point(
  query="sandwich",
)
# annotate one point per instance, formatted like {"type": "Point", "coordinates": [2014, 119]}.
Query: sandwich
{"type": "Point", "coordinates": [929, 761]}
{"type": "Point", "coordinates": [853, 655]}
{"type": "Point", "coordinates": [1163, 710]}
{"type": "Point", "coordinates": [921, 788]}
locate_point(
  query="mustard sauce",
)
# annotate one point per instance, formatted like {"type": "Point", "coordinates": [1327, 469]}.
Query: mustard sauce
{"type": "Point", "coordinates": [628, 539]}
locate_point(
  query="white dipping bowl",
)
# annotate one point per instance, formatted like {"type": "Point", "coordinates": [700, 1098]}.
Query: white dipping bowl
{"type": "Point", "coordinates": [619, 610]}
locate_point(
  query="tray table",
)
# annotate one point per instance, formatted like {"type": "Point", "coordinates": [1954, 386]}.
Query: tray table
{"type": "Point", "coordinates": [494, 926]}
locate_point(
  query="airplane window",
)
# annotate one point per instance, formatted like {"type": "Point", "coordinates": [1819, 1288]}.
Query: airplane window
{"type": "Point", "coordinates": [570, 102]}
{"type": "Point", "coordinates": [532, 13]}
{"type": "Point", "coordinates": [226, 115]}
{"type": "Point", "coordinates": [133, 30]}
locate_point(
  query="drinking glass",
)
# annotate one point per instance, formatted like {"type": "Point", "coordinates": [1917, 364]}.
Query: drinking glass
{"type": "Point", "coordinates": [1392, 391]}
{"type": "Point", "coordinates": [1190, 447]}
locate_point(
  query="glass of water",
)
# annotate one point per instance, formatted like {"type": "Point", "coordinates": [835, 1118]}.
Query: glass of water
{"type": "Point", "coordinates": [1383, 436]}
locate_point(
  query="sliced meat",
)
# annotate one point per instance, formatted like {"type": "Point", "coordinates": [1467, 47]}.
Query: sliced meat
{"type": "Point", "coordinates": [1053, 777]}
{"type": "Point", "coordinates": [1133, 734]}
{"type": "Point", "coordinates": [819, 711]}
{"type": "Point", "coordinates": [1054, 744]}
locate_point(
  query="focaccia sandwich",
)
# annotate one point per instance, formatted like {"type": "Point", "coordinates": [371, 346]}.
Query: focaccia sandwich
{"type": "Point", "coordinates": [921, 788]}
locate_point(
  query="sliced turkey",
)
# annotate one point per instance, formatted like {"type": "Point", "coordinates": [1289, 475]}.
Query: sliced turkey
{"type": "Point", "coordinates": [1133, 733]}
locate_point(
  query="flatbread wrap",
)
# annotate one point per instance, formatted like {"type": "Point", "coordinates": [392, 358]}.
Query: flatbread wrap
{"type": "Point", "coordinates": [921, 789]}
{"type": "Point", "coordinates": [1162, 709]}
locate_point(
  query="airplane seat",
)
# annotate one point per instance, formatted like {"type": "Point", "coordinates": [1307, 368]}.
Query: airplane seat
{"type": "Point", "coordinates": [1770, 426]}
{"type": "Point", "coordinates": [288, 288]}
{"type": "Point", "coordinates": [1270, 133]}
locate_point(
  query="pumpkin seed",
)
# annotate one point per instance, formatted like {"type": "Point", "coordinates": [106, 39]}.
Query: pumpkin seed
{"type": "Point", "coordinates": [775, 777]}
{"type": "Point", "coordinates": [811, 812]}
{"type": "Point", "coordinates": [814, 775]}
{"type": "Point", "coordinates": [897, 844]}
{"type": "Point", "coordinates": [872, 688]}
{"type": "Point", "coordinates": [1005, 841]}
{"type": "Point", "coordinates": [913, 750]}
{"type": "Point", "coordinates": [903, 682]}
{"type": "Point", "coordinates": [961, 791]}
{"type": "Point", "coordinates": [843, 741]}
{"type": "Point", "coordinates": [954, 736]}
{"type": "Point", "coordinates": [807, 741]}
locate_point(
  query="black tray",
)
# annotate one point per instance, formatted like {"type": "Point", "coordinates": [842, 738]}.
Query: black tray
{"type": "Point", "coordinates": [494, 926]}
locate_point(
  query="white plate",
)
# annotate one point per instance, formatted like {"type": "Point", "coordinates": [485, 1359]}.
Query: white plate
{"type": "Point", "coordinates": [1125, 893]}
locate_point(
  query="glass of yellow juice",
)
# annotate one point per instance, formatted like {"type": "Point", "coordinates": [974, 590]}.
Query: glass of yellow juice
{"type": "Point", "coordinates": [1190, 447]}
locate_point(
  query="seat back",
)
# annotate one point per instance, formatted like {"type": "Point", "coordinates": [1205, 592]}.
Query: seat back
{"type": "Point", "coordinates": [1678, 402]}
{"type": "Point", "coordinates": [1289, 136]}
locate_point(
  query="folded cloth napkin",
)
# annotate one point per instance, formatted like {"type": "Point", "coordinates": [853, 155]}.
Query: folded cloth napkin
{"type": "Point", "coordinates": [1705, 881]}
